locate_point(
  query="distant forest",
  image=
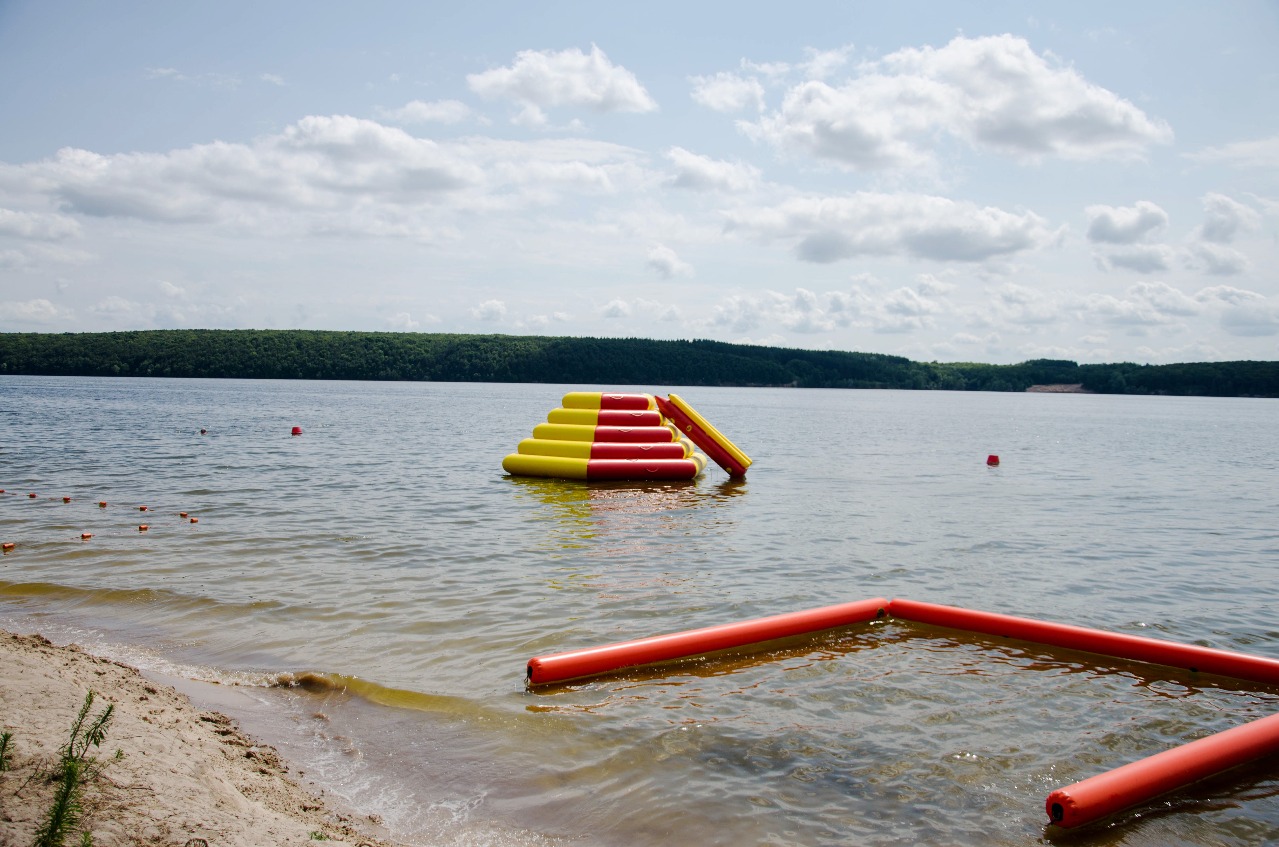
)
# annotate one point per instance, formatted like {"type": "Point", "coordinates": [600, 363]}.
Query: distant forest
{"type": "Point", "coordinates": [438, 357]}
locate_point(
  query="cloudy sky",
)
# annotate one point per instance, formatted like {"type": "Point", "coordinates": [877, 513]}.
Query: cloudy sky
{"type": "Point", "coordinates": [950, 181]}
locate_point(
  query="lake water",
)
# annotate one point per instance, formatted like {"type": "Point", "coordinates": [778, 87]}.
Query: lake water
{"type": "Point", "coordinates": [375, 586]}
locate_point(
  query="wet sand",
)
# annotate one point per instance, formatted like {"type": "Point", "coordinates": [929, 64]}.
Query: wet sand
{"type": "Point", "coordinates": [186, 777]}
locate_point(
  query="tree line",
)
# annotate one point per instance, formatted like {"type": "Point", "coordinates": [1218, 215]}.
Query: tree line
{"type": "Point", "coordinates": [445, 357]}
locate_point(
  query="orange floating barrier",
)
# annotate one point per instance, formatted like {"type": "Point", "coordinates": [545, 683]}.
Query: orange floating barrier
{"type": "Point", "coordinates": [592, 661]}
{"type": "Point", "coordinates": [1113, 791]}
{"type": "Point", "coordinates": [722, 451]}
{"type": "Point", "coordinates": [1138, 648]}
{"type": "Point", "coordinates": [604, 400]}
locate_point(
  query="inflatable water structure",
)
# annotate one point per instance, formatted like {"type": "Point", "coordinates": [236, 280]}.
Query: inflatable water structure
{"type": "Point", "coordinates": [1092, 800]}
{"type": "Point", "coordinates": [595, 435]}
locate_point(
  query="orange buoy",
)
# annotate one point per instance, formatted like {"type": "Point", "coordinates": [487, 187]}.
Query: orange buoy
{"type": "Point", "coordinates": [85, 536]}
{"type": "Point", "coordinates": [182, 514]}
{"type": "Point", "coordinates": [8, 545]}
{"type": "Point", "coordinates": [142, 508]}
{"type": "Point", "coordinates": [102, 504]}
{"type": "Point", "coordinates": [142, 527]}
{"type": "Point", "coordinates": [195, 520]}
{"type": "Point", "coordinates": [992, 460]}
{"type": "Point", "coordinates": [66, 499]}
{"type": "Point", "coordinates": [297, 430]}
{"type": "Point", "coordinates": [32, 495]}
{"type": "Point", "coordinates": [593, 661]}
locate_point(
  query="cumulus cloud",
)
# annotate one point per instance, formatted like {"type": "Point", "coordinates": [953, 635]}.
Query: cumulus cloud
{"type": "Point", "coordinates": [489, 310]}
{"type": "Point", "coordinates": [728, 92]}
{"type": "Point", "coordinates": [901, 310]}
{"type": "Point", "coordinates": [829, 229]}
{"type": "Point", "coordinates": [540, 80]}
{"type": "Point", "coordinates": [702, 173]}
{"type": "Point", "coordinates": [995, 93]}
{"type": "Point", "coordinates": [1252, 322]}
{"type": "Point", "coordinates": [1218, 259]}
{"type": "Point", "coordinates": [1142, 258]}
{"type": "Point", "coordinates": [667, 263]}
{"type": "Point", "coordinates": [38, 311]}
{"type": "Point", "coordinates": [1125, 224]}
{"type": "Point", "coordinates": [37, 225]}
{"type": "Point", "coordinates": [1224, 218]}
{"type": "Point", "coordinates": [422, 112]}
{"type": "Point", "coordinates": [330, 175]}
{"type": "Point", "coordinates": [1144, 304]}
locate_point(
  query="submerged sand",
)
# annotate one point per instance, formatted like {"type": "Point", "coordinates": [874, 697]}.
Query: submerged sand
{"type": "Point", "coordinates": [186, 777]}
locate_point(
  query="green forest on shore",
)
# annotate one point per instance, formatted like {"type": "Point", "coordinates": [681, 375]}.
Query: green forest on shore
{"type": "Point", "coordinates": [444, 357]}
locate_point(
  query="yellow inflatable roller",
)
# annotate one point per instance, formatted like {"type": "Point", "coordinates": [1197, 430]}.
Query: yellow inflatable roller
{"type": "Point", "coordinates": [562, 467]}
{"type": "Point", "coordinates": [681, 449]}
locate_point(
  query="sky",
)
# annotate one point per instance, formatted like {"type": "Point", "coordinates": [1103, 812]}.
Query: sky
{"type": "Point", "coordinates": [947, 181]}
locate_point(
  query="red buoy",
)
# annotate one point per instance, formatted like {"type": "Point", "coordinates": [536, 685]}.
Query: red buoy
{"type": "Point", "coordinates": [992, 460]}
{"type": "Point", "coordinates": [297, 430]}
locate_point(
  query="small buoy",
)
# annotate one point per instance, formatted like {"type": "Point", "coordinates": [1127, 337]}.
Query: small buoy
{"type": "Point", "coordinates": [182, 514]}
{"type": "Point", "coordinates": [32, 495]}
{"type": "Point", "coordinates": [102, 504]}
{"type": "Point", "coordinates": [142, 508]}
{"type": "Point", "coordinates": [992, 460]}
{"type": "Point", "coordinates": [66, 499]}
{"type": "Point", "coordinates": [195, 520]}
{"type": "Point", "coordinates": [143, 527]}
{"type": "Point", "coordinates": [297, 430]}
{"type": "Point", "coordinates": [85, 536]}
{"type": "Point", "coordinates": [8, 545]}
{"type": "Point", "coordinates": [204, 431]}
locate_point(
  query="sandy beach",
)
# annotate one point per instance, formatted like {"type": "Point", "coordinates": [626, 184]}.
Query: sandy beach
{"type": "Point", "coordinates": [186, 776]}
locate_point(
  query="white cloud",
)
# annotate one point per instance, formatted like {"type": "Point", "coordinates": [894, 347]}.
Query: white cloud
{"type": "Point", "coordinates": [1261, 153]}
{"type": "Point", "coordinates": [1227, 294]}
{"type": "Point", "coordinates": [421, 112]}
{"type": "Point", "coordinates": [274, 79]}
{"type": "Point", "coordinates": [1218, 259]}
{"type": "Point", "coordinates": [728, 92]}
{"type": "Point", "coordinates": [667, 263]}
{"type": "Point", "coordinates": [1224, 218]}
{"type": "Point", "coordinates": [995, 93]}
{"type": "Point", "coordinates": [168, 289]}
{"type": "Point", "coordinates": [828, 229]}
{"type": "Point", "coordinates": [39, 311]}
{"type": "Point", "coordinates": [37, 225]}
{"type": "Point", "coordinates": [1125, 224]}
{"type": "Point", "coordinates": [702, 173]}
{"type": "Point", "coordinates": [1142, 258]}
{"type": "Point", "coordinates": [1252, 322]}
{"type": "Point", "coordinates": [540, 80]}
{"type": "Point", "coordinates": [1145, 304]}
{"type": "Point", "coordinates": [402, 322]}
{"type": "Point", "coordinates": [489, 310]}
{"type": "Point", "coordinates": [616, 309]}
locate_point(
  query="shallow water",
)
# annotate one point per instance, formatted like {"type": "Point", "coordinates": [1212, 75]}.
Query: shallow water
{"type": "Point", "coordinates": [385, 560]}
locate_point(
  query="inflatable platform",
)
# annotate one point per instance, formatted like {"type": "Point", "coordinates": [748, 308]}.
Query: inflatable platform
{"type": "Point", "coordinates": [595, 435]}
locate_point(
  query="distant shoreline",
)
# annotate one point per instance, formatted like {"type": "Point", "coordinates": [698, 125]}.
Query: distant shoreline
{"type": "Point", "coordinates": [1060, 388]}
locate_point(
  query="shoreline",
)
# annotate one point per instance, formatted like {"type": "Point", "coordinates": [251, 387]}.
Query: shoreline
{"type": "Point", "coordinates": [187, 775]}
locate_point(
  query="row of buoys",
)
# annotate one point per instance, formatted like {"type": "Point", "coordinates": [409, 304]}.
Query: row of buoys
{"type": "Point", "coordinates": [596, 435]}
{"type": "Point", "coordinates": [1088, 801]}
{"type": "Point", "coordinates": [8, 546]}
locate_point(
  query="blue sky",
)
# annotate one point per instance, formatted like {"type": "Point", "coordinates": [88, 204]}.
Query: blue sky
{"type": "Point", "coordinates": [953, 181]}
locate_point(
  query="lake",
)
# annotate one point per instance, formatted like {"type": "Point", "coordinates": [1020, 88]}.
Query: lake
{"type": "Point", "coordinates": [374, 587]}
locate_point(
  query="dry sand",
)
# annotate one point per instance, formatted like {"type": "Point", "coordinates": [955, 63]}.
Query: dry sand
{"type": "Point", "coordinates": [187, 777]}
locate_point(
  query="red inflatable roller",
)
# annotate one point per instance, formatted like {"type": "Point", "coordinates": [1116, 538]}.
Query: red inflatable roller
{"type": "Point", "coordinates": [1113, 791]}
{"type": "Point", "coordinates": [622, 434]}
{"type": "Point", "coordinates": [592, 661]}
{"type": "Point", "coordinates": [1138, 648]}
{"type": "Point", "coordinates": [606, 449]}
{"type": "Point", "coordinates": [605, 417]}
{"type": "Point", "coordinates": [605, 400]}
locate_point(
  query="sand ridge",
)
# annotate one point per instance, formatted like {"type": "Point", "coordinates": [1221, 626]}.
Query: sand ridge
{"type": "Point", "coordinates": [187, 777]}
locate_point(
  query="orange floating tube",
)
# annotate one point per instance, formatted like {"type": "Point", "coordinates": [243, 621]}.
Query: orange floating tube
{"type": "Point", "coordinates": [1135, 647]}
{"type": "Point", "coordinates": [1113, 791]}
{"type": "Point", "coordinates": [624, 434]}
{"type": "Point", "coordinates": [605, 417]}
{"type": "Point", "coordinates": [592, 661]}
{"type": "Point", "coordinates": [722, 451]}
{"type": "Point", "coordinates": [605, 400]}
{"type": "Point", "coordinates": [567, 467]}
{"type": "Point", "coordinates": [681, 449]}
